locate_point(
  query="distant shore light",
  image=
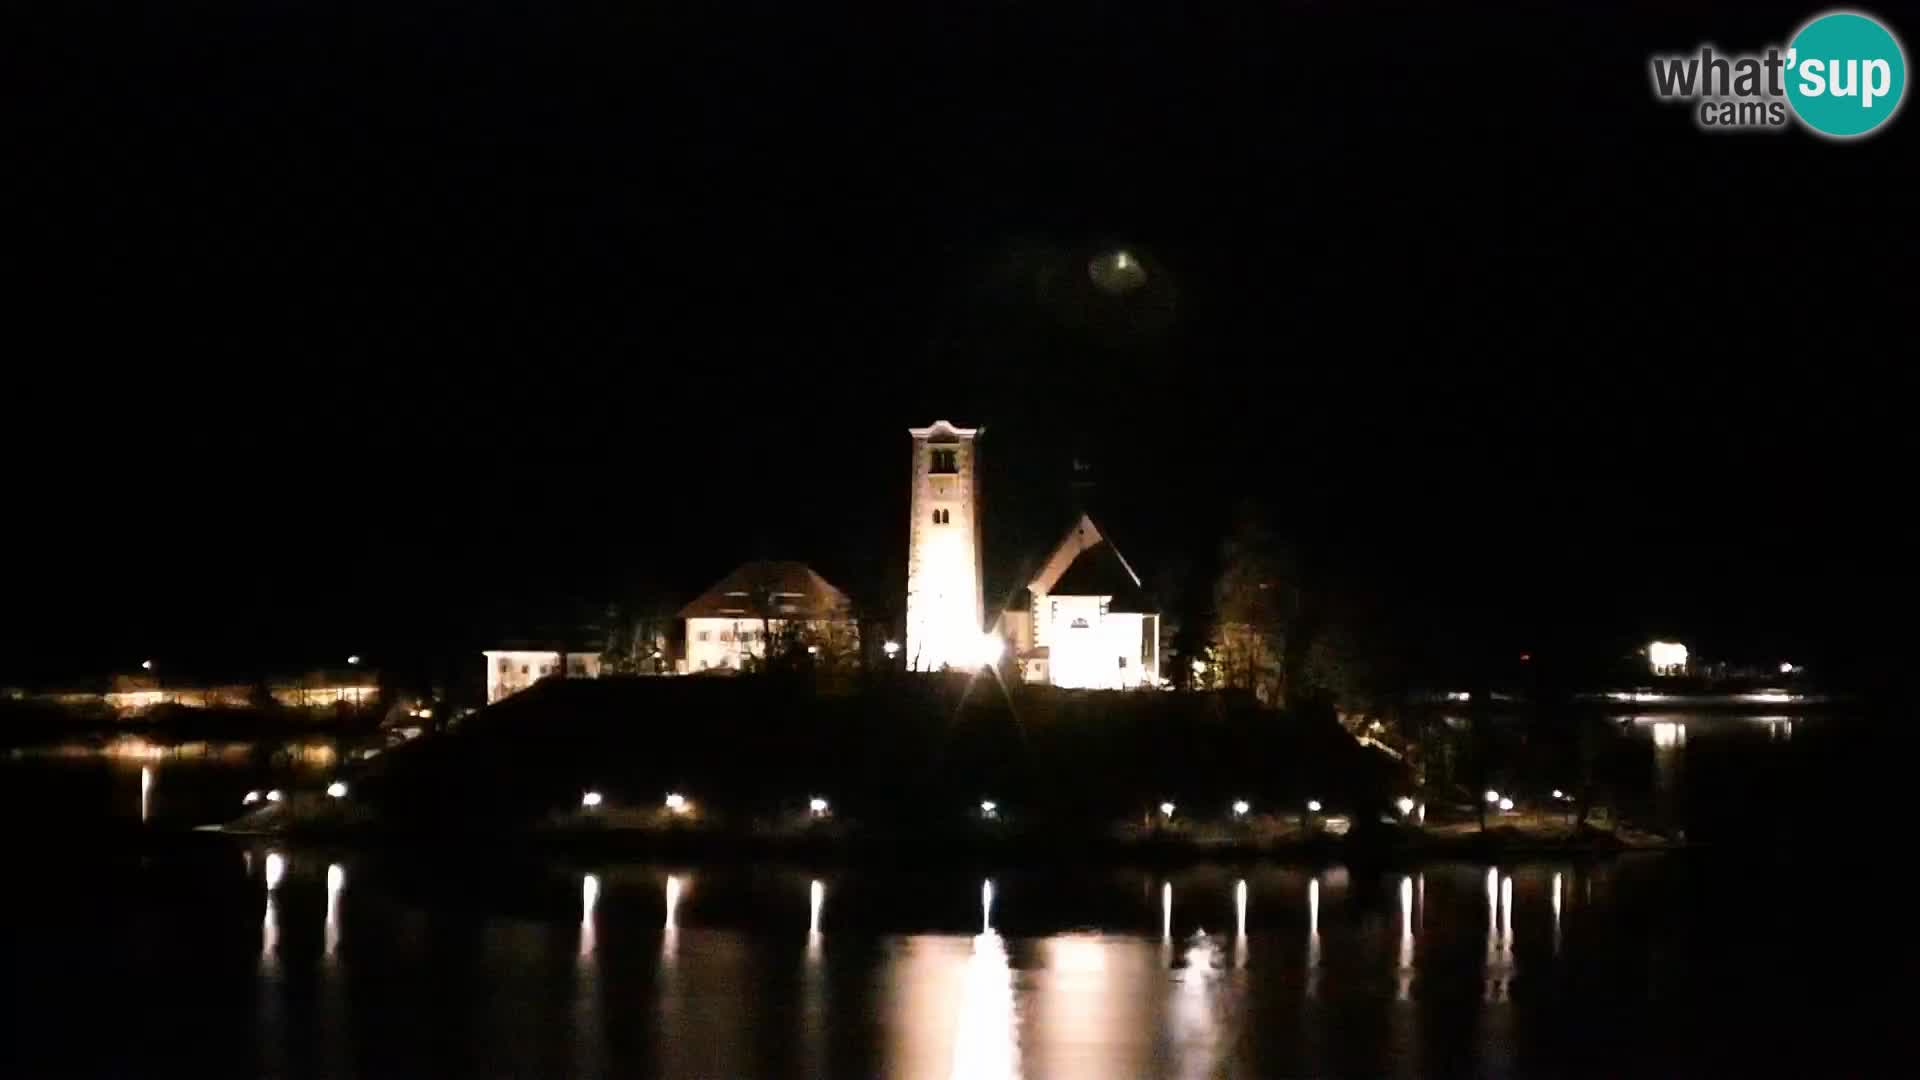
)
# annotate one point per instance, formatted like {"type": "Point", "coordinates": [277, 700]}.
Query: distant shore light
{"type": "Point", "coordinates": [1667, 657]}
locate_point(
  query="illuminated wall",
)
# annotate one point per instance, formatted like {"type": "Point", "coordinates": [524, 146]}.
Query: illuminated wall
{"type": "Point", "coordinates": [510, 671]}
{"type": "Point", "coordinates": [944, 599]}
{"type": "Point", "coordinates": [726, 642]}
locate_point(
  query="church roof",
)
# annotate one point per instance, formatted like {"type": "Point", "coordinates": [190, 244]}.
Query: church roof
{"type": "Point", "coordinates": [1100, 571]}
{"type": "Point", "coordinates": [770, 587]}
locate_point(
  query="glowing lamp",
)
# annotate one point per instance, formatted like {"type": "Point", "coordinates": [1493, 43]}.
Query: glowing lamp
{"type": "Point", "coordinates": [1313, 806]}
{"type": "Point", "coordinates": [1558, 794]}
{"type": "Point", "coordinates": [891, 648]}
{"type": "Point", "coordinates": [1786, 667]}
{"type": "Point", "coordinates": [989, 808]}
{"type": "Point", "coordinates": [354, 659]}
{"type": "Point", "coordinates": [1240, 808]}
{"type": "Point", "coordinates": [337, 789]}
{"type": "Point", "coordinates": [250, 798]}
{"type": "Point", "coordinates": [1199, 667]}
{"type": "Point", "coordinates": [1405, 804]}
{"type": "Point", "coordinates": [1491, 796]}
{"type": "Point", "coordinates": [274, 795]}
{"type": "Point", "coordinates": [1506, 804]}
{"type": "Point", "coordinates": [1166, 809]}
{"type": "Point", "coordinates": [817, 806]}
{"type": "Point", "coordinates": [146, 665]}
{"type": "Point", "coordinates": [676, 802]}
{"type": "Point", "coordinates": [590, 800]}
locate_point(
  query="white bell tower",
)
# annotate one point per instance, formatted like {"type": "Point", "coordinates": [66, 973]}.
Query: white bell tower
{"type": "Point", "coordinates": [944, 599]}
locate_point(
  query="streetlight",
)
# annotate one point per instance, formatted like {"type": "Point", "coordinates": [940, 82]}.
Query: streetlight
{"type": "Point", "coordinates": [354, 659]}
{"type": "Point", "coordinates": [1166, 809]}
{"type": "Point", "coordinates": [989, 808]}
{"type": "Point", "coordinates": [1313, 806]}
{"type": "Point", "coordinates": [1491, 796]}
{"type": "Point", "coordinates": [817, 806]}
{"type": "Point", "coordinates": [676, 802]}
{"type": "Point", "coordinates": [337, 789]}
{"type": "Point", "coordinates": [146, 665]}
{"type": "Point", "coordinates": [1240, 807]}
{"type": "Point", "coordinates": [590, 800]}
{"type": "Point", "coordinates": [891, 648]}
{"type": "Point", "coordinates": [1506, 804]}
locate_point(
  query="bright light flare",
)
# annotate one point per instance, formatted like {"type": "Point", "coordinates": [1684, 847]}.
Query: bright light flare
{"type": "Point", "coordinates": [1491, 796]}
{"type": "Point", "coordinates": [276, 869]}
{"type": "Point", "coordinates": [1506, 803]}
{"type": "Point", "coordinates": [250, 798]}
{"type": "Point", "coordinates": [1313, 806]}
{"type": "Point", "coordinates": [817, 806]}
{"type": "Point", "coordinates": [1166, 809]}
{"type": "Point", "coordinates": [1405, 805]}
{"type": "Point", "coordinates": [1240, 808]}
{"type": "Point", "coordinates": [337, 790]}
{"type": "Point", "coordinates": [590, 800]}
{"type": "Point", "coordinates": [677, 803]}
{"type": "Point", "coordinates": [989, 808]}
{"type": "Point", "coordinates": [1667, 657]}
{"type": "Point", "coordinates": [275, 795]}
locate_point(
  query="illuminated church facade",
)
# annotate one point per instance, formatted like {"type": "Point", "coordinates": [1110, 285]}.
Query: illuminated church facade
{"type": "Point", "coordinates": [1083, 621]}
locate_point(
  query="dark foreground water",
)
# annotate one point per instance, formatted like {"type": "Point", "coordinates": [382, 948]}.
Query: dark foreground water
{"type": "Point", "coordinates": [228, 960]}
{"type": "Point", "coordinates": [142, 949]}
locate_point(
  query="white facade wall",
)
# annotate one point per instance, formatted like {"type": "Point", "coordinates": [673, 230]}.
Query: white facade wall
{"type": "Point", "coordinates": [725, 643]}
{"type": "Point", "coordinates": [1090, 648]}
{"type": "Point", "coordinates": [715, 643]}
{"type": "Point", "coordinates": [510, 671]}
{"type": "Point", "coordinates": [944, 588]}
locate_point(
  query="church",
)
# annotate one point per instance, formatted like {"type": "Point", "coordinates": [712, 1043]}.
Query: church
{"type": "Point", "coordinates": [1083, 621]}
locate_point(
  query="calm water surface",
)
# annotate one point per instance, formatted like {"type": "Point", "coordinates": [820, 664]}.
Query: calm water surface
{"type": "Point", "coordinates": [256, 961]}
{"type": "Point", "coordinates": [127, 957]}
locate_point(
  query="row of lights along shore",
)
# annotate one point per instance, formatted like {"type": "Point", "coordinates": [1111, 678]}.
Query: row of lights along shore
{"type": "Point", "coordinates": [678, 804]}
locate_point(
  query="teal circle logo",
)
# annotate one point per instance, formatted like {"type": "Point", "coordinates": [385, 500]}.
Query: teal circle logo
{"type": "Point", "coordinates": [1845, 74]}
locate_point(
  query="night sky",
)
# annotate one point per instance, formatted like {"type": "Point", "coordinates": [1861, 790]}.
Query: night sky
{"type": "Point", "coordinates": [380, 326]}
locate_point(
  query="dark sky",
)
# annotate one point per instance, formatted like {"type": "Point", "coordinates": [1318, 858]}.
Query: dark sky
{"type": "Point", "coordinates": [375, 326]}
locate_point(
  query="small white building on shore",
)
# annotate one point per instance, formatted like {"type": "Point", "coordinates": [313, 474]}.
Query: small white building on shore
{"type": "Point", "coordinates": [510, 671]}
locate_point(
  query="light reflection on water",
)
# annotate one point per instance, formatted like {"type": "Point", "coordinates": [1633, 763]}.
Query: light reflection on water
{"type": "Point", "coordinates": [1077, 1002]}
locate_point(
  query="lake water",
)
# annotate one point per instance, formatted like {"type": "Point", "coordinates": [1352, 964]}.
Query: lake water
{"type": "Point", "coordinates": [131, 955]}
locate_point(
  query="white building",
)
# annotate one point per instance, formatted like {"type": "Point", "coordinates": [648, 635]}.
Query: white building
{"type": "Point", "coordinates": [730, 624]}
{"type": "Point", "coordinates": [944, 591]}
{"type": "Point", "coordinates": [510, 671]}
{"type": "Point", "coordinates": [1087, 623]}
